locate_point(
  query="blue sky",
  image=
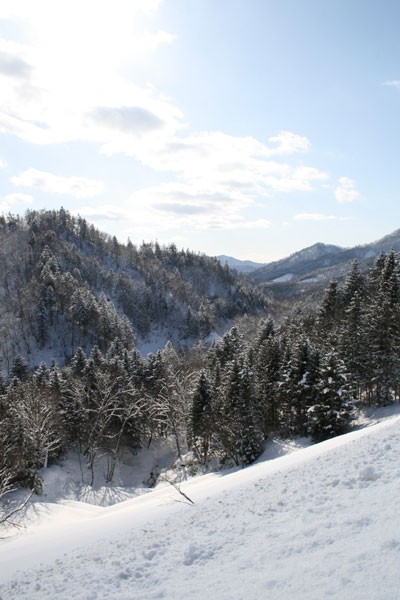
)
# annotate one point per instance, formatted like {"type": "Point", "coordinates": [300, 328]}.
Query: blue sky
{"type": "Point", "coordinates": [252, 128]}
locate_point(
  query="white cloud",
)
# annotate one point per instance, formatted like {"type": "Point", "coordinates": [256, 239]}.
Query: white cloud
{"type": "Point", "coordinates": [177, 205]}
{"type": "Point", "coordinates": [25, 9]}
{"type": "Point", "coordinates": [129, 119]}
{"type": "Point", "coordinates": [10, 201]}
{"type": "Point", "coordinates": [79, 187]}
{"type": "Point", "coordinates": [219, 176]}
{"type": "Point", "coordinates": [13, 66]}
{"type": "Point", "coordinates": [296, 179]}
{"type": "Point", "coordinates": [183, 204]}
{"type": "Point", "coordinates": [174, 216]}
{"type": "Point", "coordinates": [73, 82]}
{"type": "Point", "coordinates": [78, 52]}
{"type": "Point", "coordinates": [316, 217]}
{"type": "Point", "coordinates": [59, 102]}
{"type": "Point", "coordinates": [346, 192]}
{"type": "Point", "coordinates": [18, 198]}
{"type": "Point", "coordinates": [215, 159]}
{"type": "Point", "coordinates": [289, 142]}
{"type": "Point", "coordinates": [175, 153]}
{"type": "Point", "coordinates": [256, 224]}
{"type": "Point", "coordinates": [104, 212]}
{"type": "Point", "coordinates": [14, 59]}
{"type": "Point", "coordinates": [393, 83]}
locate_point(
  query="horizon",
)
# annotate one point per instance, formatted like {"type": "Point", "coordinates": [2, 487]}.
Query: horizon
{"type": "Point", "coordinates": [250, 130]}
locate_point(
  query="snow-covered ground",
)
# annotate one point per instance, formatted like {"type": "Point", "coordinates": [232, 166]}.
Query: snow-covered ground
{"type": "Point", "coordinates": [283, 278]}
{"type": "Point", "coordinates": [320, 522]}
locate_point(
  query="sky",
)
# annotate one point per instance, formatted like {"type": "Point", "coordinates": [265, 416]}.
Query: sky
{"type": "Point", "coordinates": [251, 128]}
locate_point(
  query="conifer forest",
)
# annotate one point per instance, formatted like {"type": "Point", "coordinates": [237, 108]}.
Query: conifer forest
{"type": "Point", "coordinates": [235, 367]}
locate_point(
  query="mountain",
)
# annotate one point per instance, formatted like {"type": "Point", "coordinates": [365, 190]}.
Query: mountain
{"type": "Point", "coordinates": [320, 522]}
{"type": "Point", "coordinates": [314, 266]}
{"type": "Point", "coordinates": [64, 285]}
{"type": "Point", "coordinates": [242, 266]}
{"type": "Point", "coordinates": [302, 262]}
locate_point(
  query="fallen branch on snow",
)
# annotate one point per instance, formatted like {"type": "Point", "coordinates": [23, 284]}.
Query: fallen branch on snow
{"type": "Point", "coordinates": [178, 488]}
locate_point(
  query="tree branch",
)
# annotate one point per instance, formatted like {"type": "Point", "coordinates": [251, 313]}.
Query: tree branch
{"type": "Point", "coordinates": [177, 487]}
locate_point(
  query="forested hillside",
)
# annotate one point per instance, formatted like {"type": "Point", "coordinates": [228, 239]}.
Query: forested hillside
{"type": "Point", "coordinates": [64, 285]}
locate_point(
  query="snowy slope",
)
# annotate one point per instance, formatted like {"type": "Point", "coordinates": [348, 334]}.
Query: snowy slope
{"type": "Point", "coordinates": [321, 522]}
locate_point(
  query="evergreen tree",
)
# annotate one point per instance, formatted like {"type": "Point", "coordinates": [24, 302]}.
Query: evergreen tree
{"type": "Point", "coordinates": [354, 284]}
{"type": "Point", "coordinates": [96, 355]}
{"type": "Point", "coordinates": [354, 345]}
{"type": "Point", "coordinates": [42, 324]}
{"type": "Point", "coordinates": [329, 316]}
{"type": "Point", "coordinates": [19, 369]}
{"type": "Point", "coordinates": [331, 414]}
{"type": "Point", "coordinates": [229, 347]}
{"type": "Point", "coordinates": [383, 330]}
{"type": "Point", "coordinates": [299, 388]}
{"type": "Point", "coordinates": [267, 375]}
{"type": "Point", "coordinates": [202, 421]}
{"type": "Point", "coordinates": [238, 426]}
{"type": "Point", "coordinates": [42, 375]}
{"type": "Point", "coordinates": [79, 363]}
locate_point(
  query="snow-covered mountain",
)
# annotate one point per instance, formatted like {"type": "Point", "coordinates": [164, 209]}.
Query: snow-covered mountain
{"type": "Point", "coordinates": [242, 266]}
{"type": "Point", "coordinates": [321, 262]}
{"type": "Point", "coordinates": [320, 522]}
{"type": "Point", "coordinates": [65, 284]}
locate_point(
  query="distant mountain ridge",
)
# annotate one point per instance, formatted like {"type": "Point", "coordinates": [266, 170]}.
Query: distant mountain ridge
{"type": "Point", "coordinates": [241, 266]}
{"type": "Point", "coordinates": [320, 262]}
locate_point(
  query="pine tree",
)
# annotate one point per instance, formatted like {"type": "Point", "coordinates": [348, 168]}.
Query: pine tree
{"type": "Point", "coordinates": [299, 387]}
{"type": "Point", "coordinates": [265, 330]}
{"type": "Point", "coordinates": [383, 331]}
{"type": "Point", "coordinates": [329, 316]}
{"type": "Point", "coordinates": [331, 414]}
{"type": "Point", "coordinates": [267, 374]}
{"type": "Point", "coordinates": [238, 425]}
{"type": "Point", "coordinates": [230, 347]}
{"type": "Point", "coordinates": [42, 323]}
{"type": "Point", "coordinates": [202, 421]}
{"type": "Point", "coordinates": [354, 345]}
{"type": "Point", "coordinates": [19, 369]}
{"type": "Point", "coordinates": [42, 375]}
{"type": "Point", "coordinates": [79, 362]}
{"type": "Point", "coordinates": [354, 284]}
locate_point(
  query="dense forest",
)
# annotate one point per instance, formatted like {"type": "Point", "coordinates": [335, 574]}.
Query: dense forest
{"type": "Point", "coordinates": [68, 286]}
{"type": "Point", "coordinates": [65, 284]}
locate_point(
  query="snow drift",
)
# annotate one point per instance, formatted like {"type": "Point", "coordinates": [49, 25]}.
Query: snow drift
{"type": "Point", "coordinates": [321, 522]}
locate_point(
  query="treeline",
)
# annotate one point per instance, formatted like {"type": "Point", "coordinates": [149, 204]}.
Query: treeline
{"type": "Point", "coordinates": [305, 377]}
{"type": "Point", "coordinates": [309, 375]}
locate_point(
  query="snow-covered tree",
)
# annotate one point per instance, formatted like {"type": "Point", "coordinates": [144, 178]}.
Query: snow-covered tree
{"type": "Point", "coordinates": [332, 413]}
{"type": "Point", "coordinates": [298, 387]}
{"type": "Point", "coordinates": [202, 418]}
{"type": "Point", "coordinates": [267, 374]}
{"type": "Point", "coordinates": [238, 421]}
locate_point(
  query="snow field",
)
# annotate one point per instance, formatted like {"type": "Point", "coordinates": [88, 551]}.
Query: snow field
{"type": "Point", "coordinates": [319, 523]}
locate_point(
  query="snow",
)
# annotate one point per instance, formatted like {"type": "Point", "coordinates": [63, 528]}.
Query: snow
{"type": "Point", "coordinates": [71, 480]}
{"type": "Point", "coordinates": [370, 254]}
{"type": "Point", "coordinates": [283, 278]}
{"type": "Point", "coordinates": [156, 340]}
{"type": "Point", "coordinates": [312, 279]}
{"type": "Point", "coordinates": [316, 522]}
